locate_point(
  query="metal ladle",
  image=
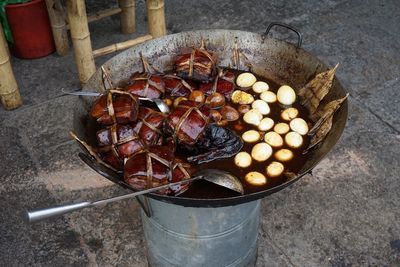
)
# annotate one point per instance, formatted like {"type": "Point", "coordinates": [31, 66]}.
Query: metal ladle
{"type": "Point", "coordinates": [159, 102]}
{"type": "Point", "coordinates": [214, 176]}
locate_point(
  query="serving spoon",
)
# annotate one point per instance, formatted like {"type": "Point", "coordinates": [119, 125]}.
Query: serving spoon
{"type": "Point", "coordinates": [159, 103]}
{"type": "Point", "coordinates": [214, 176]}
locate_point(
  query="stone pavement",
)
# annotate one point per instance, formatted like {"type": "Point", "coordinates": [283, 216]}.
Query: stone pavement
{"type": "Point", "coordinates": [346, 214]}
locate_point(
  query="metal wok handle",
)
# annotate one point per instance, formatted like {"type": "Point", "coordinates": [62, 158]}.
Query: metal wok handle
{"type": "Point", "coordinates": [272, 24]}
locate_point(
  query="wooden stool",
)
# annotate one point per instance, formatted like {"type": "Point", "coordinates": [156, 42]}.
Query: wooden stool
{"type": "Point", "coordinates": [78, 25]}
{"type": "Point", "coordinates": [9, 92]}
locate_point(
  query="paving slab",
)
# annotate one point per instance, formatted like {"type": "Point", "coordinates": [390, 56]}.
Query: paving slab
{"type": "Point", "coordinates": [239, 15]}
{"type": "Point", "coordinates": [360, 36]}
{"type": "Point", "coordinates": [110, 235]}
{"type": "Point", "coordinates": [51, 243]}
{"type": "Point", "coordinates": [43, 132]}
{"type": "Point", "coordinates": [38, 84]}
{"type": "Point", "coordinates": [13, 150]}
{"type": "Point", "coordinates": [384, 102]}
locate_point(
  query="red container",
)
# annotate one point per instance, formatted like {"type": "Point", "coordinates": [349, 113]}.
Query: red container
{"type": "Point", "coordinates": [30, 28]}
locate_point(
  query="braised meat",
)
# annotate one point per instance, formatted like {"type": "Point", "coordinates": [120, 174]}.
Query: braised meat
{"type": "Point", "coordinates": [187, 122]}
{"type": "Point", "coordinates": [156, 166]}
{"type": "Point", "coordinates": [115, 107]}
{"type": "Point", "coordinates": [198, 65]}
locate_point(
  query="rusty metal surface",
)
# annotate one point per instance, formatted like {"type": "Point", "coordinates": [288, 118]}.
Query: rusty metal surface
{"type": "Point", "coordinates": [271, 58]}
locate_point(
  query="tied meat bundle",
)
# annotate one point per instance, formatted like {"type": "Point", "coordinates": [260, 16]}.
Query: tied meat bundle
{"type": "Point", "coordinates": [137, 139]}
{"type": "Point", "coordinates": [198, 65]}
{"type": "Point", "coordinates": [115, 107]}
{"type": "Point", "coordinates": [187, 122]}
{"type": "Point", "coordinates": [176, 86]}
{"type": "Point", "coordinates": [156, 166]}
{"type": "Point", "coordinates": [145, 85]}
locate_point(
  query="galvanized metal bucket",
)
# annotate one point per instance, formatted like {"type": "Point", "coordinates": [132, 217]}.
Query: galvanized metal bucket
{"type": "Point", "coordinates": [212, 237]}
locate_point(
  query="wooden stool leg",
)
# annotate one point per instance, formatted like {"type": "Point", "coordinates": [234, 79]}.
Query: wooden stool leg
{"type": "Point", "coordinates": [9, 92]}
{"type": "Point", "coordinates": [81, 39]}
{"type": "Point", "coordinates": [58, 26]}
{"type": "Point", "coordinates": [127, 15]}
{"type": "Point", "coordinates": [156, 17]}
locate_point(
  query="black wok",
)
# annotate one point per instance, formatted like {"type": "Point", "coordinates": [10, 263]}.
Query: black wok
{"type": "Point", "coordinates": [271, 58]}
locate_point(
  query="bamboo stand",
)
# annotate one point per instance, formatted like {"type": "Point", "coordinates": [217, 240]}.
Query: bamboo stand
{"type": "Point", "coordinates": [9, 92]}
{"type": "Point", "coordinates": [127, 16]}
{"type": "Point", "coordinates": [78, 24]}
{"type": "Point", "coordinates": [156, 18]}
{"type": "Point", "coordinates": [120, 46]}
{"type": "Point", "coordinates": [81, 39]}
{"type": "Point", "coordinates": [58, 26]}
{"type": "Point", "coordinates": [103, 14]}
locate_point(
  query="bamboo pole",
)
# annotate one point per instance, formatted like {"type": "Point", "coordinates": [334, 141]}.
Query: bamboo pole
{"type": "Point", "coordinates": [58, 26]}
{"type": "Point", "coordinates": [127, 16]}
{"type": "Point", "coordinates": [156, 17]}
{"type": "Point", "coordinates": [6, 45]}
{"type": "Point", "coordinates": [100, 15]}
{"type": "Point", "coordinates": [9, 92]}
{"type": "Point", "coordinates": [81, 39]}
{"type": "Point", "coordinates": [120, 46]}
{"type": "Point", "coordinates": [103, 14]}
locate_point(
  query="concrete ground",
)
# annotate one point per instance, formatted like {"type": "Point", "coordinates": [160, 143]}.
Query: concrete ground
{"type": "Point", "coordinates": [346, 214]}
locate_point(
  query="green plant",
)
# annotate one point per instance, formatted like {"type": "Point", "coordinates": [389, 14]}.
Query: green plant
{"type": "Point", "coordinates": [3, 17]}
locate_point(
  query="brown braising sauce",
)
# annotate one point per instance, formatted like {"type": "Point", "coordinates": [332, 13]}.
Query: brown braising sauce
{"type": "Point", "coordinates": [204, 189]}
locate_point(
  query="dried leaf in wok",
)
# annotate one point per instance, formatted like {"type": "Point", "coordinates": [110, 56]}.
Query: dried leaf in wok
{"type": "Point", "coordinates": [324, 123]}
{"type": "Point", "coordinates": [239, 59]}
{"type": "Point", "coordinates": [217, 143]}
{"type": "Point", "coordinates": [314, 91]}
{"type": "Point", "coordinates": [94, 154]}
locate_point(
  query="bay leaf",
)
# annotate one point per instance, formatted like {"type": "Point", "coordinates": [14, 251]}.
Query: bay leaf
{"type": "Point", "coordinates": [314, 91]}
{"type": "Point", "coordinates": [90, 150]}
{"type": "Point", "coordinates": [238, 59]}
{"type": "Point", "coordinates": [324, 124]}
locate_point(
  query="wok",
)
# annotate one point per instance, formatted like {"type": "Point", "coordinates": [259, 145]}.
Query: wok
{"type": "Point", "coordinates": [274, 59]}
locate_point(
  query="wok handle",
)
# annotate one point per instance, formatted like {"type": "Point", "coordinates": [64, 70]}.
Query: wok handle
{"type": "Point", "coordinates": [272, 24]}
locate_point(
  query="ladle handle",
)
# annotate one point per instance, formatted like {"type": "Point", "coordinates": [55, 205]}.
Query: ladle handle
{"type": "Point", "coordinates": [272, 24]}
{"type": "Point", "coordinates": [81, 93]}
{"type": "Point", "coordinates": [87, 93]}
{"type": "Point", "coordinates": [41, 214]}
